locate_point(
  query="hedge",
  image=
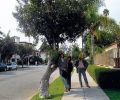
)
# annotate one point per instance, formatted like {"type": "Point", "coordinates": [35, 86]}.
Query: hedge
{"type": "Point", "coordinates": [105, 77]}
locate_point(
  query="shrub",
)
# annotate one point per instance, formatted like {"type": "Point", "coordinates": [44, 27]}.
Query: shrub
{"type": "Point", "coordinates": [105, 77]}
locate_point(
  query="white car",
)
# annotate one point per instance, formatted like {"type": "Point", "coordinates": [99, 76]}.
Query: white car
{"type": "Point", "coordinates": [11, 66]}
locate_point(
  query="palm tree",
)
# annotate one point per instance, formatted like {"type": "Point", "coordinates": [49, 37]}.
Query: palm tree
{"type": "Point", "coordinates": [94, 33]}
{"type": "Point", "coordinates": [94, 28]}
{"type": "Point", "coordinates": [106, 12]}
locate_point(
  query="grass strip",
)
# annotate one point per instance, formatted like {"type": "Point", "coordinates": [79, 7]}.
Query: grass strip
{"type": "Point", "coordinates": [56, 90]}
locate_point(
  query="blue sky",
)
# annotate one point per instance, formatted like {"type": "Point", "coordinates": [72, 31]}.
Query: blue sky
{"type": "Point", "coordinates": [8, 22]}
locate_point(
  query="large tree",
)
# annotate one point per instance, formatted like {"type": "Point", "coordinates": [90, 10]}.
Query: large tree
{"type": "Point", "coordinates": [24, 51]}
{"type": "Point", "coordinates": [7, 48]}
{"type": "Point", "coordinates": [57, 21]}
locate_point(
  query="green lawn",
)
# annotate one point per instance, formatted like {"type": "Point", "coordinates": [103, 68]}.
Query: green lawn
{"type": "Point", "coordinates": [113, 94]}
{"type": "Point", "coordinates": [56, 90]}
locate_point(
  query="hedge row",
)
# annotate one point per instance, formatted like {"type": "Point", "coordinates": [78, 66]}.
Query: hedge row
{"type": "Point", "coordinates": [105, 77]}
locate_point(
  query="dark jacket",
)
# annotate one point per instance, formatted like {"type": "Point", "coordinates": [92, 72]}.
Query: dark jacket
{"type": "Point", "coordinates": [85, 63]}
{"type": "Point", "coordinates": [69, 67]}
{"type": "Point", "coordinates": [62, 65]}
{"type": "Point", "coordinates": [63, 68]}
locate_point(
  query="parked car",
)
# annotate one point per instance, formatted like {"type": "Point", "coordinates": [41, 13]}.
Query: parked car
{"type": "Point", "coordinates": [3, 66]}
{"type": "Point", "coordinates": [11, 66]}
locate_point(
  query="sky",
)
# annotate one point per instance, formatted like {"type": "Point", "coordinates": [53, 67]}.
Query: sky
{"type": "Point", "coordinates": [114, 9]}
{"type": "Point", "coordinates": [8, 22]}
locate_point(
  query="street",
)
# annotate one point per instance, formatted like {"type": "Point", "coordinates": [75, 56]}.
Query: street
{"type": "Point", "coordinates": [20, 84]}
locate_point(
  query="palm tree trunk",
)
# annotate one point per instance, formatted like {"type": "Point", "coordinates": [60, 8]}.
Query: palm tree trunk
{"type": "Point", "coordinates": [82, 43]}
{"type": "Point", "coordinates": [118, 57]}
{"type": "Point", "coordinates": [92, 49]}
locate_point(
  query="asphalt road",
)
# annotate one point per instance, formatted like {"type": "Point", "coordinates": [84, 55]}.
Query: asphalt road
{"type": "Point", "coordinates": [20, 84]}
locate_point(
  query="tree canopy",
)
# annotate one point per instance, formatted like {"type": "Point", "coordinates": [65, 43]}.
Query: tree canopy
{"type": "Point", "coordinates": [107, 33]}
{"type": "Point", "coordinates": [57, 20]}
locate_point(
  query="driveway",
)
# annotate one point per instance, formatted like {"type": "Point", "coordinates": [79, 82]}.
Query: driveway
{"type": "Point", "coordinates": [20, 84]}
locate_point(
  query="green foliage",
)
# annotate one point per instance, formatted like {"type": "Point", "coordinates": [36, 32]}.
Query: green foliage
{"type": "Point", "coordinates": [7, 48]}
{"type": "Point", "coordinates": [106, 78]}
{"type": "Point", "coordinates": [44, 47]}
{"type": "Point", "coordinates": [75, 52]}
{"type": "Point", "coordinates": [113, 94]}
{"type": "Point", "coordinates": [94, 71]}
{"type": "Point", "coordinates": [106, 34]}
{"type": "Point", "coordinates": [106, 12]}
{"type": "Point", "coordinates": [24, 50]}
{"type": "Point", "coordinates": [57, 20]}
{"type": "Point", "coordinates": [54, 55]}
{"type": "Point", "coordinates": [34, 59]}
{"type": "Point", "coordinates": [46, 60]}
{"type": "Point", "coordinates": [56, 90]}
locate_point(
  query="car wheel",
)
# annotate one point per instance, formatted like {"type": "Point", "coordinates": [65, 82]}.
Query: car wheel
{"type": "Point", "coordinates": [5, 69]}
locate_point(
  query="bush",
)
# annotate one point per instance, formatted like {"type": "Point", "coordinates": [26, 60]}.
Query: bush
{"type": "Point", "coordinates": [105, 77]}
{"type": "Point", "coordinates": [46, 60]}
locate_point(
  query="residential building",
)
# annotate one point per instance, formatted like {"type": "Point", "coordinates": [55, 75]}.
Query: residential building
{"type": "Point", "coordinates": [109, 57]}
{"type": "Point", "coordinates": [16, 39]}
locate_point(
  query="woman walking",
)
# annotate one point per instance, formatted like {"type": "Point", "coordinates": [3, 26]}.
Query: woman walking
{"type": "Point", "coordinates": [62, 64]}
{"type": "Point", "coordinates": [69, 70]}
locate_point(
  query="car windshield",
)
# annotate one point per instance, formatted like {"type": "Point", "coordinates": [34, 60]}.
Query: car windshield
{"type": "Point", "coordinates": [13, 63]}
{"type": "Point", "coordinates": [9, 64]}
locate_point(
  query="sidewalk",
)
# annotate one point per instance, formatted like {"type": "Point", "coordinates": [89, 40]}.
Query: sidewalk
{"type": "Point", "coordinates": [78, 93]}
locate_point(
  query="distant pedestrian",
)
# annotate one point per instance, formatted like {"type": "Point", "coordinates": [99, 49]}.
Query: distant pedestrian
{"type": "Point", "coordinates": [81, 66]}
{"type": "Point", "coordinates": [62, 64]}
{"type": "Point", "coordinates": [69, 70]}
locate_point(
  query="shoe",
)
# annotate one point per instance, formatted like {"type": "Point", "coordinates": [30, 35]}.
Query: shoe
{"type": "Point", "coordinates": [88, 86]}
{"type": "Point", "coordinates": [81, 86]}
{"type": "Point", "coordinates": [69, 89]}
{"type": "Point", "coordinates": [66, 90]}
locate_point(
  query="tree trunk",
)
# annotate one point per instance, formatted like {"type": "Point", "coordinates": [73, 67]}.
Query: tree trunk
{"type": "Point", "coordinates": [22, 63]}
{"type": "Point", "coordinates": [118, 56]}
{"type": "Point", "coordinates": [92, 49]}
{"type": "Point", "coordinates": [82, 44]}
{"type": "Point", "coordinates": [44, 83]}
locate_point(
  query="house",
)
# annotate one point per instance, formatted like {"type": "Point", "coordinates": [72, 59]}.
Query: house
{"type": "Point", "coordinates": [109, 57]}
{"type": "Point", "coordinates": [26, 43]}
{"type": "Point", "coordinates": [36, 53]}
{"type": "Point", "coordinates": [16, 39]}
{"type": "Point", "coordinates": [15, 58]}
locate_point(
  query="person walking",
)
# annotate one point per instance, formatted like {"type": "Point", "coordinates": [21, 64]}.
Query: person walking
{"type": "Point", "coordinates": [81, 66]}
{"type": "Point", "coordinates": [62, 65]}
{"type": "Point", "coordinates": [69, 70]}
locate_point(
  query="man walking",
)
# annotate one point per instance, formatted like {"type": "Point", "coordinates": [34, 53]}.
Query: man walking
{"type": "Point", "coordinates": [81, 66]}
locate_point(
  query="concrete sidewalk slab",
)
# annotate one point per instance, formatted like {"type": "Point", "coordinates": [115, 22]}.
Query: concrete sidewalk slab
{"type": "Point", "coordinates": [84, 93]}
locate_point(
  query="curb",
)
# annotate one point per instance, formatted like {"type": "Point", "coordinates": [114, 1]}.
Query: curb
{"type": "Point", "coordinates": [29, 98]}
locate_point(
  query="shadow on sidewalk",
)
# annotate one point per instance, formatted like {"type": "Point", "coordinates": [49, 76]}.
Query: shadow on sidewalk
{"type": "Point", "coordinates": [75, 92]}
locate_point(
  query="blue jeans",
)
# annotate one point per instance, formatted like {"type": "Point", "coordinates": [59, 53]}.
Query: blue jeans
{"type": "Point", "coordinates": [81, 72]}
{"type": "Point", "coordinates": [66, 85]}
